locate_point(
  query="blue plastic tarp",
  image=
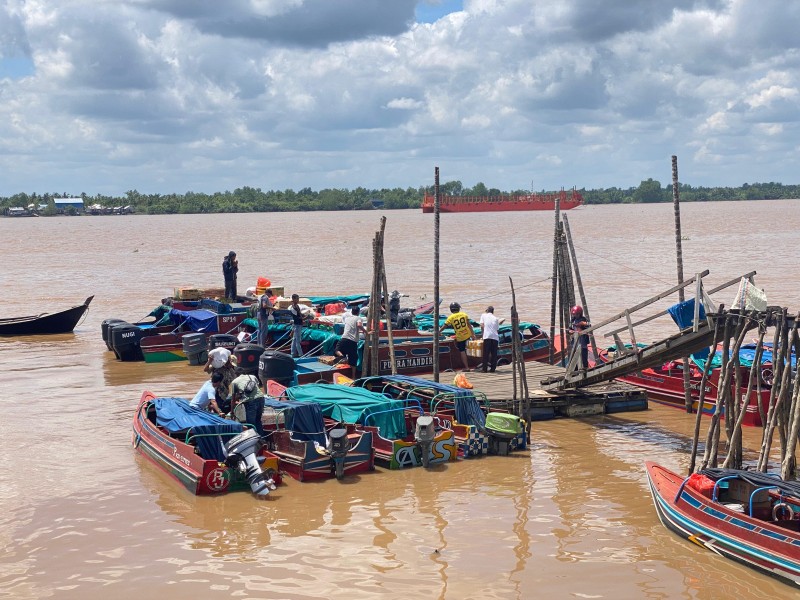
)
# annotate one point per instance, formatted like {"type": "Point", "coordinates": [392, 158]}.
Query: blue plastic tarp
{"type": "Point", "coordinates": [195, 320]}
{"type": "Point", "coordinates": [175, 414]}
{"type": "Point", "coordinates": [303, 419]}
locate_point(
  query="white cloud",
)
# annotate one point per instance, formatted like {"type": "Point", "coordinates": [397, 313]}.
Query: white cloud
{"type": "Point", "coordinates": [168, 95]}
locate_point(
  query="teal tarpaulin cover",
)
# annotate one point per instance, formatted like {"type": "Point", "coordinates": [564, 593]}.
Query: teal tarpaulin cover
{"type": "Point", "coordinates": [354, 405]}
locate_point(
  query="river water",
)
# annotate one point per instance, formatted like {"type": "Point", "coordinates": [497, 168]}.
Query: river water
{"type": "Point", "coordinates": [81, 516]}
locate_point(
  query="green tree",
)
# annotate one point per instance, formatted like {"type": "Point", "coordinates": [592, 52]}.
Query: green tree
{"type": "Point", "coordinates": [649, 191]}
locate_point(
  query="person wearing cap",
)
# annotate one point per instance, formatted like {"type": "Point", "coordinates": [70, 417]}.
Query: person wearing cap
{"type": "Point", "coordinates": [491, 339]}
{"type": "Point", "coordinates": [230, 267]}
{"type": "Point", "coordinates": [220, 360]}
{"type": "Point", "coordinates": [459, 321]}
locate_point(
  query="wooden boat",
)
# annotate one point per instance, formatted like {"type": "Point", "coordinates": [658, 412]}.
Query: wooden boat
{"type": "Point", "coordinates": [749, 517]}
{"type": "Point", "coordinates": [534, 201]}
{"type": "Point", "coordinates": [189, 445]}
{"type": "Point", "coordinates": [63, 321]}
{"type": "Point", "coordinates": [462, 410]}
{"type": "Point", "coordinates": [414, 355]}
{"type": "Point", "coordinates": [297, 434]}
{"type": "Point", "coordinates": [402, 435]}
{"type": "Point", "coordinates": [664, 384]}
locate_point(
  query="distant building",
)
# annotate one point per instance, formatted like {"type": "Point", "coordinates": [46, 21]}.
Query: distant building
{"type": "Point", "coordinates": [376, 203]}
{"type": "Point", "coordinates": [62, 204]}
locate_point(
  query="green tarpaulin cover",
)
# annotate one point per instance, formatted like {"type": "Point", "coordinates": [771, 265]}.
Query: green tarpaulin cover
{"type": "Point", "coordinates": [352, 405]}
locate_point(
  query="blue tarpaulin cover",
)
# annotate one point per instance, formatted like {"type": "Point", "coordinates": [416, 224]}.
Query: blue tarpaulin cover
{"type": "Point", "coordinates": [683, 315]}
{"type": "Point", "coordinates": [195, 320]}
{"type": "Point", "coordinates": [353, 405]}
{"type": "Point", "coordinates": [175, 414]}
{"type": "Point", "coordinates": [303, 419]}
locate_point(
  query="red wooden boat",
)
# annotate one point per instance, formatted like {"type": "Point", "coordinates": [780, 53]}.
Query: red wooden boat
{"type": "Point", "coordinates": [749, 517]}
{"type": "Point", "coordinates": [414, 354]}
{"type": "Point", "coordinates": [194, 448]}
{"type": "Point", "coordinates": [664, 384]}
{"type": "Point", "coordinates": [452, 204]}
{"type": "Point", "coordinates": [297, 434]}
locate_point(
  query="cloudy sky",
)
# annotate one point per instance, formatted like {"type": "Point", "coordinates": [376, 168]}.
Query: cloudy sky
{"type": "Point", "coordinates": [162, 96]}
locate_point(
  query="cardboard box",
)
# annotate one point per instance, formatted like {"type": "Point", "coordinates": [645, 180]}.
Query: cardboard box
{"type": "Point", "coordinates": [327, 360]}
{"type": "Point", "coordinates": [187, 293]}
{"type": "Point", "coordinates": [213, 292]}
{"type": "Point", "coordinates": [475, 348]}
{"type": "Point", "coordinates": [284, 303]}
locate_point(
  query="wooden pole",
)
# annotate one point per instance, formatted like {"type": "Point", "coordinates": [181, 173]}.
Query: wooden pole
{"type": "Point", "coordinates": [555, 277]}
{"type": "Point", "coordinates": [525, 398]}
{"type": "Point", "coordinates": [382, 267]}
{"type": "Point", "coordinates": [676, 205]}
{"type": "Point", "coordinates": [577, 272]}
{"type": "Point", "coordinates": [436, 299]}
{"type": "Point", "coordinates": [702, 396]}
{"type": "Point", "coordinates": [789, 463]}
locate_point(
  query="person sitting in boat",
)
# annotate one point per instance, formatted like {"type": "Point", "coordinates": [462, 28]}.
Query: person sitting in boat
{"type": "Point", "coordinates": [459, 321]}
{"type": "Point", "coordinates": [206, 397]}
{"type": "Point", "coordinates": [348, 344]}
{"type": "Point", "coordinates": [247, 397]}
{"type": "Point", "coordinates": [579, 323]}
{"type": "Point", "coordinates": [221, 360]}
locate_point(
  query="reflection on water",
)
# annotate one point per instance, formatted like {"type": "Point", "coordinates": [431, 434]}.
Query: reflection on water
{"type": "Point", "coordinates": [82, 517]}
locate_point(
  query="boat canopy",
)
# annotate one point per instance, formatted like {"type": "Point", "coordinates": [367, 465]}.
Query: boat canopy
{"type": "Point", "coordinates": [283, 331]}
{"type": "Point", "coordinates": [352, 299]}
{"type": "Point", "coordinates": [303, 419]}
{"type": "Point", "coordinates": [467, 409]}
{"type": "Point", "coordinates": [790, 488]}
{"type": "Point", "coordinates": [176, 414]}
{"type": "Point", "coordinates": [195, 320]}
{"type": "Point", "coordinates": [747, 356]}
{"type": "Point", "coordinates": [354, 405]}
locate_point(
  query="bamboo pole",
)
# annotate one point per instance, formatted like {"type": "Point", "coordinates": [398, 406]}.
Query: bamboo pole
{"type": "Point", "coordinates": [789, 463]}
{"type": "Point", "coordinates": [777, 365]}
{"type": "Point", "coordinates": [436, 299]}
{"type": "Point", "coordinates": [555, 278]}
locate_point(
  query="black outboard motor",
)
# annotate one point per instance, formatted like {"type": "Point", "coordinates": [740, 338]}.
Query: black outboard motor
{"type": "Point", "coordinates": [222, 340]}
{"type": "Point", "coordinates": [247, 357]}
{"type": "Point", "coordinates": [337, 448]}
{"type": "Point", "coordinates": [277, 366]}
{"type": "Point", "coordinates": [104, 328]}
{"type": "Point", "coordinates": [405, 318]}
{"type": "Point", "coordinates": [424, 434]}
{"type": "Point", "coordinates": [125, 339]}
{"type": "Point", "coordinates": [194, 346]}
{"type": "Point", "coordinates": [242, 456]}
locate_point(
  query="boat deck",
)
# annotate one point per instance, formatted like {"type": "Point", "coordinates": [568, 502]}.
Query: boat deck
{"type": "Point", "coordinates": [596, 399]}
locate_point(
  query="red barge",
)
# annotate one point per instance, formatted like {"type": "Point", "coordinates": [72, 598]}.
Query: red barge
{"type": "Point", "coordinates": [452, 204]}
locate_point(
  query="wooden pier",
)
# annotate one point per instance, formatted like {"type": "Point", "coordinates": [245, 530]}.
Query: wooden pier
{"type": "Point", "coordinates": [597, 399]}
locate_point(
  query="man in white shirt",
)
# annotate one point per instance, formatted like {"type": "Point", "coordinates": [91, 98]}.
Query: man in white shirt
{"type": "Point", "coordinates": [491, 338]}
{"type": "Point", "coordinates": [348, 344]}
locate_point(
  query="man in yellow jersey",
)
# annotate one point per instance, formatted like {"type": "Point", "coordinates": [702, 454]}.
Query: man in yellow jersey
{"type": "Point", "coordinates": [459, 321]}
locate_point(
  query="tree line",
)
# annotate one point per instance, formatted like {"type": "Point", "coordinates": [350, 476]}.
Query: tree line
{"type": "Point", "coordinates": [248, 199]}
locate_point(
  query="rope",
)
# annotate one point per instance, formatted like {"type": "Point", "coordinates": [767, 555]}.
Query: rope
{"type": "Point", "coordinates": [505, 291]}
{"type": "Point", "coordinates": [624, 266]}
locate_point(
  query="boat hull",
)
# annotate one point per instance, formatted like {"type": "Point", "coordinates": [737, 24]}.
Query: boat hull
{"type": "Point", "coordinates": [46, 324]}
{"type": "Point", "coordinates": [761, 545]}
{"type": "Point", "coordinates": [179, 461]}
{"type": "Point", "coordinates": [301, 460]}
{"type": "Point", "coordinates": [467, 204]}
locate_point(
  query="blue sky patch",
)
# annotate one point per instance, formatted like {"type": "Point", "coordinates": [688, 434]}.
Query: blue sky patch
{"type": "Point", "coordinates": [16, 67]}
{"type": "Point", "coordinates": [430, 11]}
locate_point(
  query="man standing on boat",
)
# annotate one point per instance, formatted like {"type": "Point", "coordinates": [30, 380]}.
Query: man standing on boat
{"type": "Point", "coordinates": [579, 323]}
{"type": "Point", "coordinates": [246, 394]}
{"type": "Point", "coordinates": [264, 314]}
{"type": "Point", "coordinates": [230, 267]}
{"type": "Point", "coordinates": [348, 344]}
{"type": "Point", "coordinates": [491, 339]}
{"type": "Point", "coordinates": [459, 321]}
{"type": "Point", "coordinates": [297, 326]}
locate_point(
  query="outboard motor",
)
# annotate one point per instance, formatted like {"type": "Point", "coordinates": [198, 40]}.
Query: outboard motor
{"type": "Point", "coordinates": [275, 365]}
{"type": "Point", "coordinates": [125, 339]}
{"type": "Point", "coordinates": [405, 318]}
{"type": "Point", "coordinates": [247, 357]}
{"type": "Point", "coordinates": [194, 346]}
{"type": "Point", "coordinates": [337, 448]}
{"type": "Point", "coordinates": [242, 456]}
{"type": "Point", "coordinates": [222, 340]}
{"type": "Point", "coordinates": [104, 326]}
{"type": "Point", "coordinates": [502, 428]}
{"type": "Point", "coordinates": [423, 435]}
